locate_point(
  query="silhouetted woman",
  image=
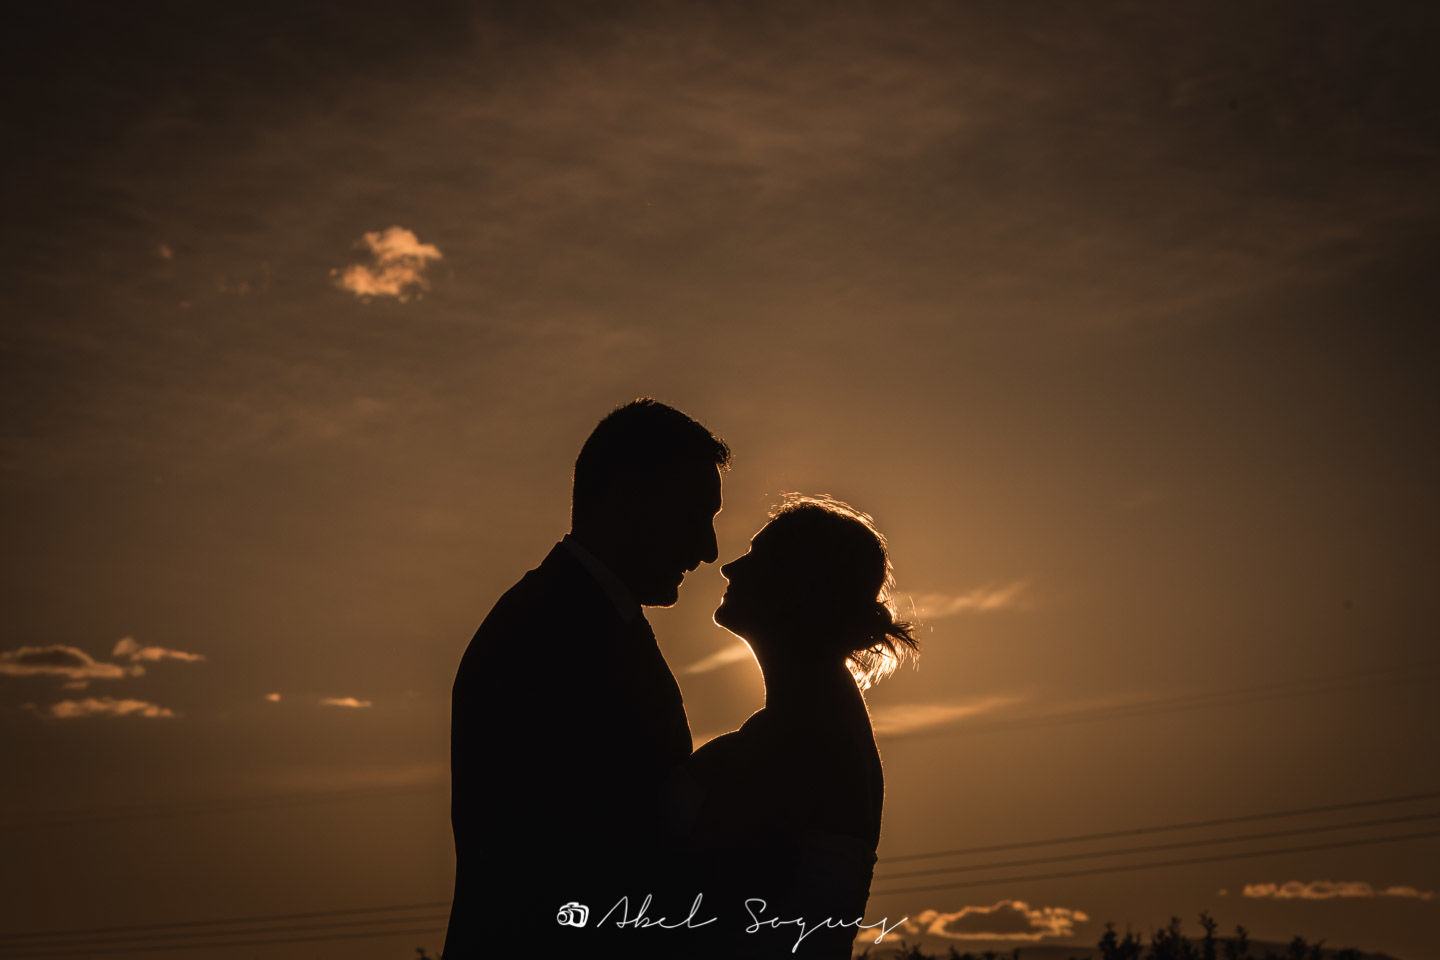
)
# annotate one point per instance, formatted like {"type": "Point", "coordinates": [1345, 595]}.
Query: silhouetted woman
{"type": "Point", "coordinates": [786, 810]}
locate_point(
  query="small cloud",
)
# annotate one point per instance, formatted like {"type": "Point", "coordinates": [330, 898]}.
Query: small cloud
{"type": "Point", "coordinates": [273, 697]}
{"type": "Point", "coordinates": [165, 252]}
{"type": "Point", "coordinates": [350, 702]}
{"type": "Point", "coordinates": [890, 933]}
{"type": "Point", "coordinates": [107, 707]}
{"type": "Point", "coordinates": [127, 647]}
{"type": "Point", "coordinates": [933, 606]}
{"type": "Point", "coordinates": [903, 718]}
{"type": "Point", "coordinates": [242, 286]}
{"type": "Point", "coordinates": [75, 685]}
{"type": "Point", "coordinates": [59, 660]}
{"type": "Point", "coordinates": [1329, 890]}
{"type": "Point", "coordinates": [1222, 892]}
{"type": "Point", "coordinates": [736, 653]}
{"type": "Point", "coordinates": [397, 268]}
{"type": "Point", "coordinates": [1006, 920]}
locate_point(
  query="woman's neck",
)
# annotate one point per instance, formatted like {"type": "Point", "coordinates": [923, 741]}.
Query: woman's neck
{"type": "Point", "coordinates": [791, 685]}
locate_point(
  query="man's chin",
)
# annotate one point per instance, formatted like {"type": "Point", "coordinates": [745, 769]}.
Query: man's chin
{"type": "Point", "coordinates": [661, 596]}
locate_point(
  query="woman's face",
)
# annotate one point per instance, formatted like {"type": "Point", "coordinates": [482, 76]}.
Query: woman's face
{"type": "Point", "coordinates": [754, 599]}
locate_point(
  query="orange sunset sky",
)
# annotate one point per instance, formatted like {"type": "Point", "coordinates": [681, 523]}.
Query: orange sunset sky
{"type": "Point", "coordinates": [1120, 318]}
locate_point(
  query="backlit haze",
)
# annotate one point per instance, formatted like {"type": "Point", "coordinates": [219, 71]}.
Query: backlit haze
{"type": "Point", "coordinates": [1120, 319]}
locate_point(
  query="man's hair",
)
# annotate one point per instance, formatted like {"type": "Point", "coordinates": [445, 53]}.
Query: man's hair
{"type": "Point", "coordinates": [641, 437]}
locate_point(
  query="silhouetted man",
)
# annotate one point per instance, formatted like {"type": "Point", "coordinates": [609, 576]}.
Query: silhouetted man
{"type": "Point", "coordinates": [565, 718]}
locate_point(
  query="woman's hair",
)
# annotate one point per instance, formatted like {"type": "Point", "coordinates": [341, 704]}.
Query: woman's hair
{"type": "Point", "coordinates": [845, 581]}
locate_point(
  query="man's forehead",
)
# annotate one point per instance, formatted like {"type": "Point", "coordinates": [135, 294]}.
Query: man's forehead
{"type": "Point", "coordinates": [702, 486]}
{"type": "Point", "coordinates": [690, 480]}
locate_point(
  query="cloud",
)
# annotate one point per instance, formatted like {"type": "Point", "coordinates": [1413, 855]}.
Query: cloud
{"type": "Point", "coordinates": [107, 707]}
{"type": "Point", "coordinates": [242, 286]}
{"type": "Point", "coordinates": [736, 653]}
{"type": "Point", "coordinates": [1006, 920]}
{"type": "Point", "coordinates": [897, 931]}
{"type": "Point", "coordinates": [1329, 890]}
{"type": "Point", "coordinates": [397, 267]}
{"type": "Point", "coordinates": [78, 667]}
{"type": "Point", "coordinates": [129, 648]}
{"type": "Point", "coordinates": [350, 702]}
{"type": "Point", "coordinates": [59, 660]}
{"type": "Point", "coordinates": [273, 697]}
{"type": "Point", "coordinates": [902, 718]}
{"type": "Point", "coordinates": [933, 606]}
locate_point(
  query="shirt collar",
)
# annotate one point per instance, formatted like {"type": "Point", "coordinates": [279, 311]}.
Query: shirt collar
{"type": "Point", "coordinates": [620, 596]}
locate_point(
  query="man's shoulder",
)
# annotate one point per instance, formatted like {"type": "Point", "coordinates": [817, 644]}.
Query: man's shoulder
{"type": "Point", "coordinates": [555, 605]}
{"type": "Point", "coordinates": [558, 588]}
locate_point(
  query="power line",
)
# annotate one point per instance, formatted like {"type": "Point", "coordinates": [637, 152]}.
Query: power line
{"type": "Point", "coordinates": [1130, 867]}
{"type": "Point", "coordinates": [1140, 831]}
{"type": "Point", "coordinates": [270, 918]}
{"type": "Point", "coordinates": [90, 951]}
{"type": "Point", "coordinates": [1177, 845]}
{"type": "Point", "coordinates": [65, 950]}
{"type": "Point", "coordinates": [195, 929]}
{"type": "Point", "coordinates": [199, 935]}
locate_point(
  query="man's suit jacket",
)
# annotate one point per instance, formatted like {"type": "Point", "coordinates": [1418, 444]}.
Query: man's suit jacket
{"type": "Point", "coordinates": [565, 722]}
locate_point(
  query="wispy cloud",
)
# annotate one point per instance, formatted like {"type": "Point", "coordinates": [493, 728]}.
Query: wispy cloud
{"type": "Point", "coordinates": [128, 647]}
{"type": "Point", "coordinates": [1005, 920]}
{"type": "Point", "coordinates": [1329, 890]}
{"type": "Point", "coordinates": [242, 285]}
{"type": "Point", "coordinates": [79, 668]}
{"type": "Point", "coordinates": [350, 702]}
{"type": "Point", "coordinates": [398, 261]}
{"type": "Point", "coordinates": [107, 707]}
{"type": "Point", "coordinates": [986, 599]}
{"type": "Point", "coordinates": [273, 697]}
{"type": "Point", "coordinates": [902, 718]}
{"type": "Point", "coordinates": [59, 660]}
{"type": "Point", "coordinates": [738, 652]}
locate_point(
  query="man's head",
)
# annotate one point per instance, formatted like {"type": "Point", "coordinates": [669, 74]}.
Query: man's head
{"type": "Point", "coordinates": [647, 489]}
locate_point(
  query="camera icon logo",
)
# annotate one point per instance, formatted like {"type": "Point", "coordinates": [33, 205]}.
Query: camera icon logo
{"type": "Point", "coordinates": [573, 914]}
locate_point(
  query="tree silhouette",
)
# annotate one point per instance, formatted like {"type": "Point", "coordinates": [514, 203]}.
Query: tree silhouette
{"type": "Point", "coordinates": [1114, 948]}
{"type": "Point", "coordinates": [1207, 945]}
{"type": "Point", "coordinates": [1238, 948]}
{"type": "Point", "coordinates": [1167, 943]}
